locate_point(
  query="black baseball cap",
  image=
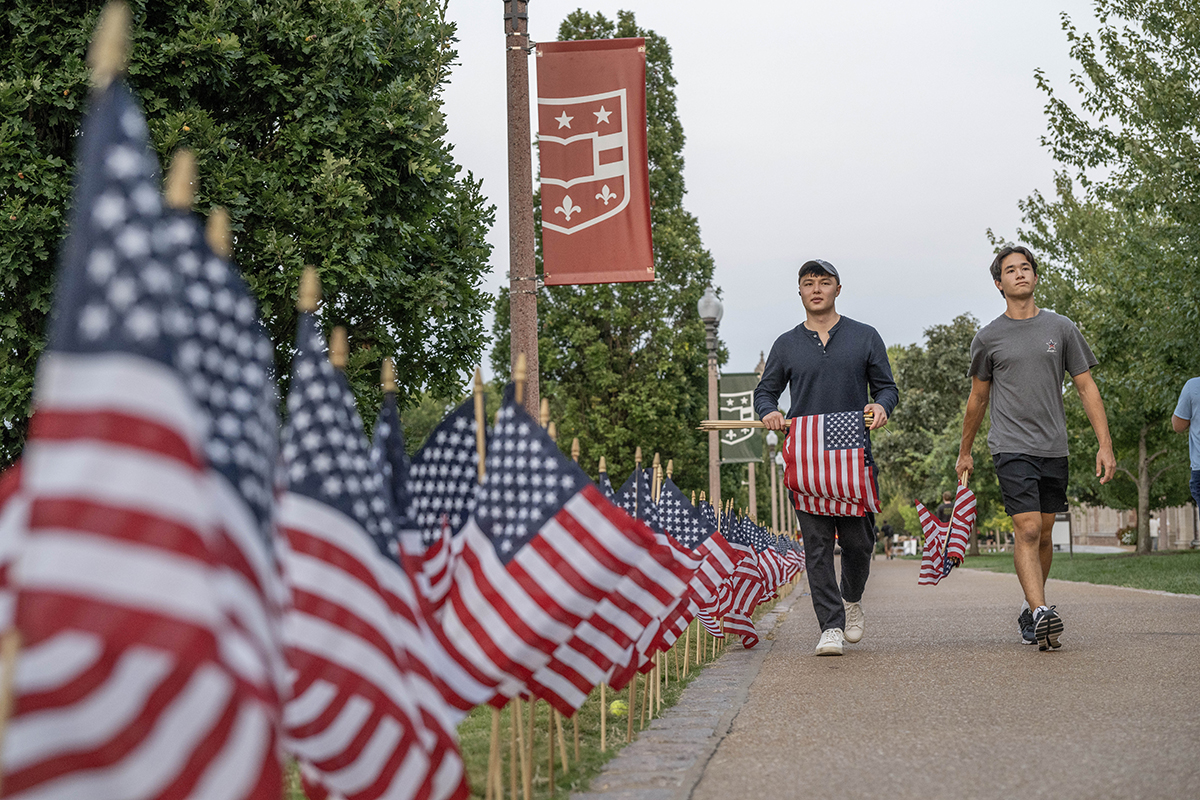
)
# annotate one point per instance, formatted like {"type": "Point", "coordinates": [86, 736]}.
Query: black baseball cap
{"type": "Point", "coordinates": [820, 267]}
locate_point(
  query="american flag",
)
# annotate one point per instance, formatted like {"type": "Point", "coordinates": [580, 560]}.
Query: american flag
{"type": "Point", "coordinates": [461, 690]}
{"type": "Point", "coordinates": [143, 675]}
{"type": "Point", "coordinates": [442, 480]}
{"type": "Point", "coordinates": [605, 486]}
{"type": "Point", "coordinates": [827, 467]}
{"type": "Point", "coordinates": [945, 545]}
{"type": "Point", "coordinates": [366, 717]}
{"type": "Point", "coordinates": [636, 498]}
{"type": "Point", "coordinates": [688, 526]}
{"type": "Point", "coordinates": [542, 549]}
{"type": "Point", "coordinates": [746, 587]}
{"type": "Point", "coordinates": [653, 580]}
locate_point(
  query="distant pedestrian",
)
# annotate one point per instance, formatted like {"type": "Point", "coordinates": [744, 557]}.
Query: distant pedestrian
{"type": "Point", "coordinates": [829, 363]}
{"type": "Point", "coordinates": [945, 509]}
{"type": "Point", "coordinates": [1186, 419]}
{"type": "Point", "coordinates": [888, 533]}
{"type": "Point", "coordinates": [1017, 363]}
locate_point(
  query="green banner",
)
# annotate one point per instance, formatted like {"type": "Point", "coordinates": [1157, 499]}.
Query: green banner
{"type": "Point", "coordinates": [735, 400]}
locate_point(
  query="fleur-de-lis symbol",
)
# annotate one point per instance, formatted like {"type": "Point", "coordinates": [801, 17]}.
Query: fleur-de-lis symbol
{"type": "Point", "coordinates": [605, 194]}
{"type": "Point", "coordinates": [567, 208]}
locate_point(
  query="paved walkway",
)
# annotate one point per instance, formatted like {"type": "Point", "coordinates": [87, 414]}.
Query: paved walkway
{"type": "Point", "coordinates": [939, 700]}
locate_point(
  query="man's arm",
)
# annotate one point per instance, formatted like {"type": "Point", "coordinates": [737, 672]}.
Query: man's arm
{"type": "Point", "coordinates": [981, 392]}
{"type": "Point", "coordinates": [1179, 424]}
{"type": "Point", "coordinates": [884, 394]}
{"type": "Point", "coordinates": [1093, 406]}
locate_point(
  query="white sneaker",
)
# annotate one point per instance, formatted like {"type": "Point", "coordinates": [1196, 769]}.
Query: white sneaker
{"type": "Point", "coordinates": [854, 622]}
{"type": "Point", "coordinates": [830, 643]}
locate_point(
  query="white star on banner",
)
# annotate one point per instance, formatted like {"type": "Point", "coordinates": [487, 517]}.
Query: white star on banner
{"type": "Point", "coordinates": [563, 121]}
{"type": "Point", "coordinates": [602, 115]}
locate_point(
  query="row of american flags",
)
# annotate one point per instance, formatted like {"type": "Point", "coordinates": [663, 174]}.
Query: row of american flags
{"type": "Point", "coordinates": [200, 597]}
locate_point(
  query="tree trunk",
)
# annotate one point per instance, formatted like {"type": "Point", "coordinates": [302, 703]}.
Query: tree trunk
{"type": "Point", "coordinates": [974, 550]}
{"type": "Point", "coordinates": [1143, 493]}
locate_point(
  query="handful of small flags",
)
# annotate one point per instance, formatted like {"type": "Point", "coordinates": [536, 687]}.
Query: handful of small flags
{"type": "Point", "coordinates": [945, 544]}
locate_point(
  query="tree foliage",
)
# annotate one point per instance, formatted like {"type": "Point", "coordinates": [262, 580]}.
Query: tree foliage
{"type": "Point", "coordinates": [624, 365]}
{"type": "Point", "coordinates": [1121, 238]}
{"type": "Point", "coordinates": [318, 125]}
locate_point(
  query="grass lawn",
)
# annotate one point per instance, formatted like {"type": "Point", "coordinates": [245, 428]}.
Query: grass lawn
{"type": "Point", "coordinates": [1166, 571]}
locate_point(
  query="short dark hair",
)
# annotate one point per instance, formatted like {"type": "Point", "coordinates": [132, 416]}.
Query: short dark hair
{"type": "Point", "coordinates": [1007, 251]}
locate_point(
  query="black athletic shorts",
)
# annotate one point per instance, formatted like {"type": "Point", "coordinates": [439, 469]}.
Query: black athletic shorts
{"type": "Point", "coordinates": [1032, 483]}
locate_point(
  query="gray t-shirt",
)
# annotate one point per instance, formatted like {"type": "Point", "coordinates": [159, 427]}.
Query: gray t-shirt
{"type": "Point", "coordinates": [1024, 359]}
{"type": "Point", "coordinates": [1188, 408]}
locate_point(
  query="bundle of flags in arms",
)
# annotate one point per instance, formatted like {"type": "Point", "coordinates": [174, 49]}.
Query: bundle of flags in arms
{"type": "Point", "coordinates": [195, 604]}
{"type": "Point", "coordinates": [945, 543]}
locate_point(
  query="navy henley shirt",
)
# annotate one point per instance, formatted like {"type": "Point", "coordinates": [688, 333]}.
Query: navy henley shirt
{"type": "Point", "coordinates": [827, 378]}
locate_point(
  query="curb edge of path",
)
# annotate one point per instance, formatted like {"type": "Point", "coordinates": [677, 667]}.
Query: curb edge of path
{"type": "Point", "coordinates": [657, 784]}
{"type": "Point", "coordinates": [691, 778]}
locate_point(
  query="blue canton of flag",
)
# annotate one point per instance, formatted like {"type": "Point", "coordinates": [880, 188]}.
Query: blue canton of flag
{"type": "Point", "coordinates": [605, 486]}
{"type": "Point", "coordinates": [680, 518]}
{"type": "Point", "coordinates": [228, 363]}
{"type": "Point", "coordinates": [706, 511]}
{"type": "Point", "coordinates": [527, 482]}
{"type": "Point", "coordinates": [636, 501]}
{"type": "Point", "coordinates": [325, 454]}
{"type": "Point", "coordinates": [845, 431]}
{"type": "Point", "coordinates": [388, 455]}
{"type": "Point", "coordinates": [444, 475]}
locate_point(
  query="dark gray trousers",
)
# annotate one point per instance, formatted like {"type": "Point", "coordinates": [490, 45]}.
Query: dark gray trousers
{"type": "Point", "coordinates": [856, 535]}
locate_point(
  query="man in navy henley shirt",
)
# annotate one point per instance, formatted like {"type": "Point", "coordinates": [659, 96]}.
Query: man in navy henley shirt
{"type": "Point", "coordinates": [830, 363]}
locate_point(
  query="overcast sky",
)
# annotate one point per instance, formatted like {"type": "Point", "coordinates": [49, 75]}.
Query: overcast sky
{"type": "Point", "coordinates": [885, 137]}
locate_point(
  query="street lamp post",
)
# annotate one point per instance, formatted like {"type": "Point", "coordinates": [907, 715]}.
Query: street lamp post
{"type": "Point", "coordinates": [711, 312]}
{"type": "Point", "coordinates": [772, 440]}
{"type": "Point", "coordinates": [784, 518]}
{"type": "Point", "coordinates": [758, 370]}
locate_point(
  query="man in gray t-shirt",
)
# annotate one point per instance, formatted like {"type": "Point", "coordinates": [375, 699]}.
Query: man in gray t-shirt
{"type": "Point", "coordinates": [1017, 364]}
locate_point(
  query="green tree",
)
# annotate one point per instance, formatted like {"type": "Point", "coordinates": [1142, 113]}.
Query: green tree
{"type": "Point", "coordinates": [624, 365]}
{"type": "Point", "coordinates": [318, 125]}
{"type": "Point", "coordinates": [933, 384]}
{"type": "Point", "coordinates": [1120, 240]}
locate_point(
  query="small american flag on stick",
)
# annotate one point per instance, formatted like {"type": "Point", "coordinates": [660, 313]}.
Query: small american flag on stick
{"type": "Point", "coordinates": [945, 545]}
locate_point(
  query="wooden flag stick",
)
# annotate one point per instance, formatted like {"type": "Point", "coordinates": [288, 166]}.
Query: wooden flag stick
{"type": "Point", "coordinates": [108, 55]}
{"type": "Point", "coordinates": [480, 432]}
{"type": "Point", "coordinates": [180, 190]}
{"type": "Point", "coordinates": [529, 746]}
{"type": "Point", "coordinates": [310, 291]}
{"type": "Point", "coordinates": [513, 758]}
{"type": "Point", "coordinates": [632, 703]}
{"type": "Point", "coordinates": [687, 645]}
{"type": "Point", "coordinates": [339, 348]}
{"type": "Point", "coordinates": [217, 233]}
{"type": "Point", "coordinates": [387, 376]}
{"type": "Point", "coordinates": [575, 449]}
{"type": "Point", "coordinates": [10, 646]}
{"type": "Point", "coordinates": [646, 697]}
{"type": "Point", "coordinates": [552, 431]}
{"type": "Point", "coordinates": [603, 711]}
{"type": "Point", "coordinates": [493, 776]}
{"type": "Point", "coordinates": [740, 424]}
{"type": "Point", "coordinates": [519, 379]}
{"type": "Point", "coordinates": [562, 742]}
{"type": "Point", "coordinates": [550, 747]}
{"type": "Point", "coordinates": [519, 727]}
{"type": "Point", "coordinates": [544, 416]}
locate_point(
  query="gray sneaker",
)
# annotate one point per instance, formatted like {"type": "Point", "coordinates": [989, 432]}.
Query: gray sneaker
{"type": "Point", "coordinates": [1025, 623]}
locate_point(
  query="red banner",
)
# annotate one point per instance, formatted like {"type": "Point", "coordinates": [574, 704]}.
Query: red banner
{"type": "Point", "coordinates": [592, 146]}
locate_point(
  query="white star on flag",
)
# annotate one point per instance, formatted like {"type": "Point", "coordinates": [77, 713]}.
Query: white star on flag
{"type": "Point", "coordinates": [563, 121]}
{"type": "Point", "coordinates": [602, 115]}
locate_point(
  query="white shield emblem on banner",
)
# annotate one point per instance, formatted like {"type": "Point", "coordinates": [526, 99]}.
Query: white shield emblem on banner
{"type": "Point", "coordinates": [584, 159]}
{"type": "Point", "coordinates": [740, 404]}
